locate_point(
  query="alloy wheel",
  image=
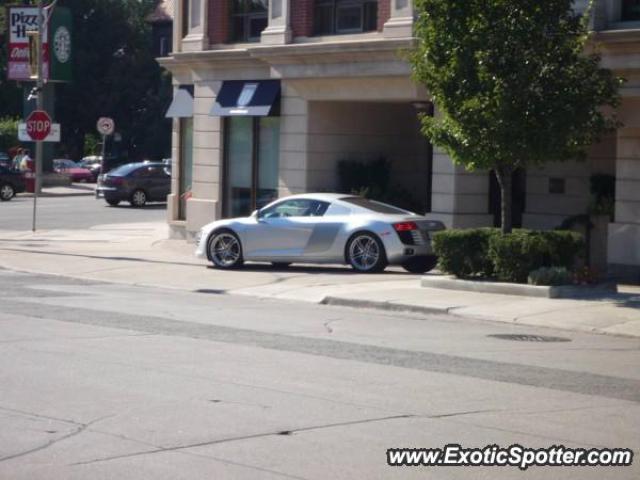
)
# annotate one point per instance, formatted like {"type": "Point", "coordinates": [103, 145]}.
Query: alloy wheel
{"type": "Point", "coordinates": [365, 253]}
{"type": "Point", "coordinates": [6, 192]}
{"type": "Point", "coordinates": [139, 198]}
{"type": "Point", "coordinates": [225, 250]}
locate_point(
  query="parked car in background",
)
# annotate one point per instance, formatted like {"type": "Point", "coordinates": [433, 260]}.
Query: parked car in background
{"type": "Point", "coordinates": [92, 163]}
{"type": "Point", "coordinates": [136, 183]}
{"type": "Point", "coordinates": [71, 169]}
{"type": "Point", "coordinates": [323, 228]}
{"type": "Point", "coordinates": [11, 182]}
{"type": "Point", "coordinates": [5, 160]}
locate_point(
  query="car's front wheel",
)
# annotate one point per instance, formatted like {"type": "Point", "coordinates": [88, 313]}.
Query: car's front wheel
{"type": "Point", "coordinates": [6, 192]}
{"type": "Point", "coordinates": [420, 264]}
{"type": "Point", "coordinates": [365, 253]}
{"type": "Point", "coordinates": [113, 203]}
{"type": "Point", "coordinates": [225, 250]}
{"type": "Point", "coordinates": [138, 198]}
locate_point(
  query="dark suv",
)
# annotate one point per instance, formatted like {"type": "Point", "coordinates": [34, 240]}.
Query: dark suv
{"type": "Point", "coordinates": [136, 183]}
{"type": "Point", "coordinates": [11, 182]}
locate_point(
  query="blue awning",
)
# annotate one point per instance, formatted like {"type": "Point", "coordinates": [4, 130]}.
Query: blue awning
{"type": "Point", "coordinates": [247, 98]}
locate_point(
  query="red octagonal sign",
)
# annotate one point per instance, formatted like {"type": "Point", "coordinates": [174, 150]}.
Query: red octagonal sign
{"type": "Point", "coordinates": [38, 125]}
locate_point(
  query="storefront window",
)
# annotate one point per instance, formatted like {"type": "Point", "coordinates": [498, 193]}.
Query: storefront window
{"type": "Point", "coordinates": [185, 165]}
{"type": "Point", "coordinates": [345, 16]}
{"type": "Point", "coordinates": [248, 19]}
{"type": "Point", "coordinates": [630, 10]}
{"type": "Point", "coordinates": [251, 163]}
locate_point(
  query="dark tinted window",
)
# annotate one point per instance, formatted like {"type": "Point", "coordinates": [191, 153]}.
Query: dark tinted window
{"type": "Point", "coordinates": [248, 19]}
{"type": "Point", "coordinates": [630, 10]}
{"type": "Point", "coordinates": [345, 16]}
{"type": "Point", "coordinates": [124, 170]}
{"type": "Point", "coordinates": [374, 206]}
{"type": "Point", "coordinates": [298, 207]}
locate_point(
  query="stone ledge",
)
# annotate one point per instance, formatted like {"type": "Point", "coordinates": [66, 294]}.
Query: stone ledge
{"type": "Point", "coordinates": [488, 286]}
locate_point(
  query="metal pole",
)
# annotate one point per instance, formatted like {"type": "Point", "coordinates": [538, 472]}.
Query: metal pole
{"type": "Point", "coordinates": [39, 106]}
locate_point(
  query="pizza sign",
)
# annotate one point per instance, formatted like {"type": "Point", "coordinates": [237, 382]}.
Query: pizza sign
{"type": "Point", "coordinates": [23, 20]}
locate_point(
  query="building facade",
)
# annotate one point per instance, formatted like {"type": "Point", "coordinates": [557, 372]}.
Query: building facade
{"type": "Point", "coordinates": [271, 95]}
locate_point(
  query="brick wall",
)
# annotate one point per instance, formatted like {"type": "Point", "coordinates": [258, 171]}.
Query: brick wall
{"type": "Point", "coordinates": [302, 18]}
{"type": "Point", "coordinates": [218, 21]}
{"type": "Point", "coordinates": [384, 12]}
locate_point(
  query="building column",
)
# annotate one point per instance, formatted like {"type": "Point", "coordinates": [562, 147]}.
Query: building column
{"type": "Point", "coordinates": [197, 39]}
{"type": "Point", "coordinates": [278, 32]}
{"type": "Point", "coordinates": [400, 23]}
{"type": "Point", "coordinates": [623, 246]}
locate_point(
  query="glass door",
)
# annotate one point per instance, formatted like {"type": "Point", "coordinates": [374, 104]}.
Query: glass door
{"type": "Point", "coordinates": [252, 153]}
{"type": "Point", "coordinates": [185, 173]}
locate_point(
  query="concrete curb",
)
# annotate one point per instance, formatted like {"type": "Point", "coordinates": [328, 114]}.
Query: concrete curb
{"type": "Point", "coordinates": [56, 195]}
{"type": "Point", "coordinates": [387, 306]}
{"type": "Point", "coordinates": [501, 288]}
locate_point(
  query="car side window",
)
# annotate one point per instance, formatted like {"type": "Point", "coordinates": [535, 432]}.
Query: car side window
{"type": "Point", "coordinates": [301, 207]}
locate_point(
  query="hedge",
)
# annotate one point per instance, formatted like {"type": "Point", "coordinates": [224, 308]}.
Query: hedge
{"type": "Point", "coordinates": [486, 252]}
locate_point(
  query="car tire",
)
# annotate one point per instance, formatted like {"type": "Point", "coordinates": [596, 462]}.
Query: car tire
{"type": "Point", "coordinates": [420, 264]}
{"type": "Point", "coordinates": [113, 203]}
{"type": "Point", "coordinates": [280, 264]}
{"type": "Point", "coordinates": [7, 192]}
{"type": "Point", "coordinates": [224, 250]}
{"type": "Point", "coordinates": [365, 253]}
{"type": "Point", "coordinates": [138, 199]}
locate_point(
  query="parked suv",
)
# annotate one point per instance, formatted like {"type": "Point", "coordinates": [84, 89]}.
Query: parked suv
{"type": "Point", "coordinates": [11, 182]}
{"type": "Point", "coordinates": [137, 183]}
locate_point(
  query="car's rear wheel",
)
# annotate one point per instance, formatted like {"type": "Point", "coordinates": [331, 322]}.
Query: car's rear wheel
{"type": "Point", "coordinates": [7, 192]}
{"type": "Point", "coordinates": [113, 203]}
{"type": "Point", "coordinates": [420, 264]}
{"type": "Point", "coordinates": [225, 250]}
{"type": "Point", "coordinates": [365, 253]}
{"type": "Point", "coordinates": [138, 198]}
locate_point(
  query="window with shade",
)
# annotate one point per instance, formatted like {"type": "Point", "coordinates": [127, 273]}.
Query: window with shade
{"type": "Point", "coordinates": [345, 16]}
{"type": "Point", "coordinates": [630, 10]}
{"type": "Point", "coordinates": [248, 19]}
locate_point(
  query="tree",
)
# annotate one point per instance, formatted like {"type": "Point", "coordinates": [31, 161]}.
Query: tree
{"type": "Point", "coordinates": [115, 75]}
{"type": "Point", "coordinates": [513, 83]}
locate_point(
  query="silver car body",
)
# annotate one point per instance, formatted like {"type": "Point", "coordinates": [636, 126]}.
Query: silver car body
{"type": "Point", "coordinates": [322, 239]}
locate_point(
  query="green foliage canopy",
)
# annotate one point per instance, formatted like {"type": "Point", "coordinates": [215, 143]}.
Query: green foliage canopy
{"type": "Point", "coordinates": [512, 81]}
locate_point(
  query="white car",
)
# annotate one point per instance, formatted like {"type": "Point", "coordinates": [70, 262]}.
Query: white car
{"type": "Point", "coordinates": [323, 228]}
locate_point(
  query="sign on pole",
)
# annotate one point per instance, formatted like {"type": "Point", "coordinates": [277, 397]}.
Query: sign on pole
{"type": "Point", "coordinates": [54, 134]}
{"type": "Point", "coordinates": [21, 21]}
{"type": "Point", "coordinates": [38, 125]}
{"type": "Point", "coordinates": [105, 126]}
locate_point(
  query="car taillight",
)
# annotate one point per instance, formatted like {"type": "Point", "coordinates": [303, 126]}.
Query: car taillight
{"type": "Point", "coordinates": [405, 226]}
{"type": "Point", "coordinates": [116, 180]}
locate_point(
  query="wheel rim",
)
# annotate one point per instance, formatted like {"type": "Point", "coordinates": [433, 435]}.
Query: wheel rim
{"type": "Point", "coordinates": [6, 191]}
{"type": "Point", "coordinates": [225, 250]}
{"type": "Point", "coordinates": [139, 198]}
{"type": "Point", "coordinates": [364, 252]}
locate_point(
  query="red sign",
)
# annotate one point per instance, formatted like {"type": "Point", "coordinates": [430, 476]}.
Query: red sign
{"type": "Point", "coordinates": [22, 20]}
{"type": "Point", "coordinates": [38, 125]}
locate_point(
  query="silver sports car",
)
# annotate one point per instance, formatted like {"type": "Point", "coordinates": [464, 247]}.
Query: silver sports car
{"type": "Point", "coordinates": [323, 228]}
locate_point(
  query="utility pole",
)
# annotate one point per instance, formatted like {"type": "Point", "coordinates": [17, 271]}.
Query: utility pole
{"type": "Point", "coordinates": [39, 106]}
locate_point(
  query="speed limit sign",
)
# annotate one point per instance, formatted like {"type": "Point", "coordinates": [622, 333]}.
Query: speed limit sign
{"type": "Point", "coordinates": [106, 126]}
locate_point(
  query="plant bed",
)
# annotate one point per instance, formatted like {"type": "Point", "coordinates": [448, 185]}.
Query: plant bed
{"type": "Point", "coordinates": [504, 288]}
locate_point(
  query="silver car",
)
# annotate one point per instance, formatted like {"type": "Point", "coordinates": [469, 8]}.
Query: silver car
{"type": "Point", "coordinates": [323, 228]}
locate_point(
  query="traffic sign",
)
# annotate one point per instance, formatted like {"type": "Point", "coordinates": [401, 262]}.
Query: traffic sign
{"type": "Point", "coordinates": [105, 125]}
{"type": "Point", "coordinates": [38, 125]}
{"type": "Point", "coordinates": [54, 134]}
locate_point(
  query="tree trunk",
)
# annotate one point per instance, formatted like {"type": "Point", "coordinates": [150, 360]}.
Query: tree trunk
{"type": "Point", "coordinates": [504, 176]}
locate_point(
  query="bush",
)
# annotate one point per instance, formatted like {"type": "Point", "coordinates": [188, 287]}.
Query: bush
{"type": "Point", "coordinates": [465, 253]}
{"type": "Point", "coordinates": [550, 276]}
{"type": "Point", "coordinates": [516, 254]}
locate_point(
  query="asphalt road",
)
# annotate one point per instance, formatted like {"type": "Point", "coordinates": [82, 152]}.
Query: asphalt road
{"type": "Point", "coordinates": [73, 212]}
{"type": "Point", "coordinates": [107, 381]}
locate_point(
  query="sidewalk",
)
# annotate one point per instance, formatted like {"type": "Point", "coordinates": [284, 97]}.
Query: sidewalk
{"type": "Point", "coordinates": [76, 189]}
{"type": "Point", "coordinates": [140, 254]}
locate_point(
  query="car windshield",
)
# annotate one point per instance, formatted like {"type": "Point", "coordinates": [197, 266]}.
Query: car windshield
{"type": "Point", "coordinates": [124, 170]}
{"type": "Point", "coordinates": [65, 164]}
{"type": "Point", "coordinates": [374, 206]}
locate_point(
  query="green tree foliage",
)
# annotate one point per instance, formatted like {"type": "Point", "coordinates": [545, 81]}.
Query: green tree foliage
{"type": "Point", "coordinates": [8, 133]}
{"type": "Point", "coordinates": [115, 75]}
{"type": "Point", "coordinates": [10, 94]}
{"type": "Point", "coordinates": [513, 84]}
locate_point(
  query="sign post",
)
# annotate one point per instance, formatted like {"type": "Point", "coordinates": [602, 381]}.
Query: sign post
{"type": "Point", "coordinates": [105, 127]}
{"type": "Point", "coordinates": [40, 121]}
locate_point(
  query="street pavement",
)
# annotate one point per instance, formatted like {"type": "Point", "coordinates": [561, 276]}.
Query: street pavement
{"type": "Point", "coordinates": [107, 381]}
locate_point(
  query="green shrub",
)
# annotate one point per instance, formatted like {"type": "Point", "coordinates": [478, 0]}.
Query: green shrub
{"type": "Point", "coordinates": [550, 276]}
{"type": "Point", "coordinates": [516, 254]}
{"type": "Point", "coordinates": [464, 253]}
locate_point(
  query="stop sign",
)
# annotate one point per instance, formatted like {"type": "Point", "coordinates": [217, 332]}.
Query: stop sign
{"type": "Point", "coordinates": [38, 125]}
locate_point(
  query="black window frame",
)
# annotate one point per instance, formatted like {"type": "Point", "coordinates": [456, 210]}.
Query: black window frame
{"type": "Point", "coordinates": [241, 10]}
{"type": "Point", "coordinates": [368, 18]}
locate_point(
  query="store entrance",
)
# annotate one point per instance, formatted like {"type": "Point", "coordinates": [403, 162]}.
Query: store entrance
{"type": "Point", "coordinates": [252, 147]}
